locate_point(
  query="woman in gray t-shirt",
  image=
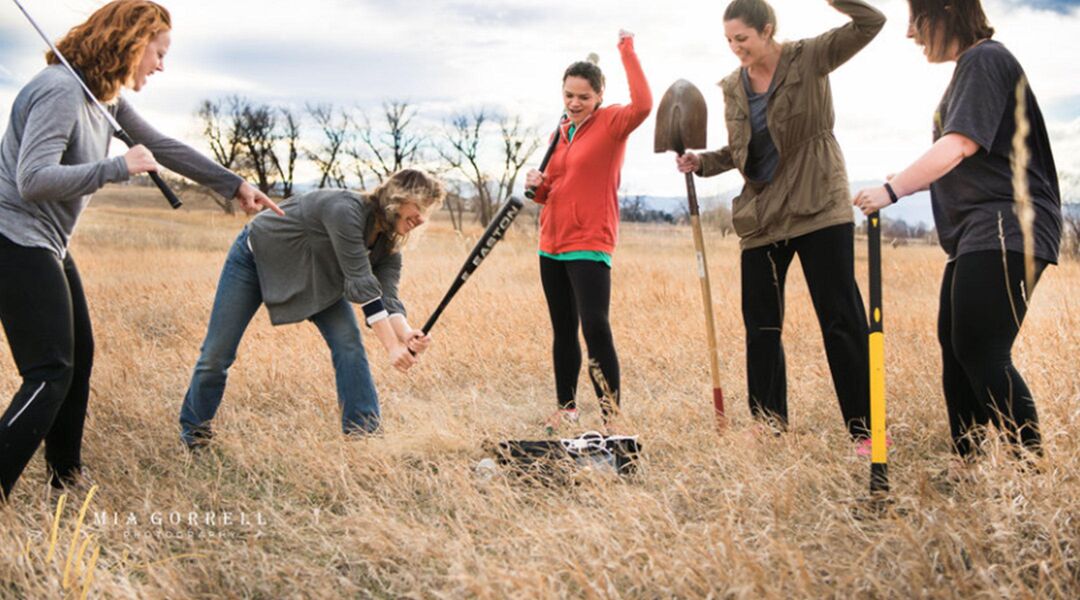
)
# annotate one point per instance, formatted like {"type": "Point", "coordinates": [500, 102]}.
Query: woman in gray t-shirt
{"type": "Point", "coordinates": [53, 156]}
{"type": "Point", "coordinates": [986, 289]}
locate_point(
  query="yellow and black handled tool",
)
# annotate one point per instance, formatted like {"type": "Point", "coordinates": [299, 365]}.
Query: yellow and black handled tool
{"type": "Point", "coordinates": [879, 464]}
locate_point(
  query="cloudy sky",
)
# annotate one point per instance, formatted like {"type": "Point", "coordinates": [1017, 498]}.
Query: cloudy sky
{"type": "Point", "coordinates": [450, 55]}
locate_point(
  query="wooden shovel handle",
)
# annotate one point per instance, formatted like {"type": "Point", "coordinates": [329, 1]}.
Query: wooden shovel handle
{"type": "Point", "coordinates": [706, 299]}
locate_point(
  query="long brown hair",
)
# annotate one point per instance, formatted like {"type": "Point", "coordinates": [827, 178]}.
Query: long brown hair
{"type": "Point", "coordinates": [941, 23]}
{"type": "Point", "coordinates": [109, 45]}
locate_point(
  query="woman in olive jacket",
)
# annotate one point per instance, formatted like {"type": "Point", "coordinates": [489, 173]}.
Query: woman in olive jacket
{"type": "Point", "coordinates": [779, 115]}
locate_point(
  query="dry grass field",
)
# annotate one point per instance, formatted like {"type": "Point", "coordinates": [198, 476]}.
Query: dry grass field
{"type": "Point", "coordinates": [296, 510]}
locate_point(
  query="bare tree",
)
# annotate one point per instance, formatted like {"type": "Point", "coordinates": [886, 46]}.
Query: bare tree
{"type": "Point", "coordinates": [464, 140]}
{"type": "Point", "coordinates": [222, 129]}
{"type": "Point", "coordinates": [259, 135]}
{"type": "Point", "coordinates": [358, 166]}
{"type": "Point", "coordinates": [455, 205]}
{"type": "Point", "coordinates": [463, 137]}
{"type": "Point", "coordinates": [290, 133]}
{"type": "Point", "coordinates": [718, 217]}
{"type": "Point", "coordinates": [633, 209]}
{"type": "Point", "coordinates": [636, 209]}
{"type": "Point", "coordinates": [682, 214]}
{"type": "Point", "coordinates": [336, 129]}
{"type": "Point", "coordinates": [518, 144]}
{"type": "Point", "coordinates": [383, 151]}
{"type": "Point", "coordinates": [245, 136]}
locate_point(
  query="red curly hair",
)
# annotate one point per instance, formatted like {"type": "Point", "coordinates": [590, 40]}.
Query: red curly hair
{"type": "Point", "coordinates": [110, 44]}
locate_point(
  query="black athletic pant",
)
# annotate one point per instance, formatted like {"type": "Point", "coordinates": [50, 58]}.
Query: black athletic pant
{"type": "Point", "coordinates": [45, 318]}
{"type": "Point", "coordinates": [828, 263]}
{"type": "Point", "coordinates": [983, 303]}
{"type": "Point", "coordinates": [579, 292]}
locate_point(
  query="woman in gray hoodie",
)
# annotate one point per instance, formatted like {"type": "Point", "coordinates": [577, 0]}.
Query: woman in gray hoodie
{"type": "Point", "coordinates": [330, 248]}
{"type": "Point", "coordinates": [53, 156]}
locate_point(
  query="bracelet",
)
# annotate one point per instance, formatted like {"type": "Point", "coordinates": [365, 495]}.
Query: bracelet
{"type": "Point", "coordinates": [892, 192]}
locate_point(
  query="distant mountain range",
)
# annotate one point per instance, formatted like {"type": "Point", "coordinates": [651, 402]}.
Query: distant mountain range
{"type": "Point", "coordinates": [912, 210]}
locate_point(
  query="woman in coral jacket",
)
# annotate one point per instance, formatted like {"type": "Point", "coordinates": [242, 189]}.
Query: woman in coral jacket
{"type": "Point", "coordinates": [579, 226]}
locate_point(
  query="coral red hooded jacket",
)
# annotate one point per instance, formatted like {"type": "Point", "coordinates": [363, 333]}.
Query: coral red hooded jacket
{"type": "Point", "coordinates": [579, 192]}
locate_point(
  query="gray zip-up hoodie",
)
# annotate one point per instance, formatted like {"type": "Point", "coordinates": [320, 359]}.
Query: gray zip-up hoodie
{"type": "Point", "coordinates": [53, 157]}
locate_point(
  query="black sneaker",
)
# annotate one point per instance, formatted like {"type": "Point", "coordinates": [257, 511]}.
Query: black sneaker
{"type": "Point", "coordinates": [200, 439]}
{"type": "Point", "coordinates": [76, 478]}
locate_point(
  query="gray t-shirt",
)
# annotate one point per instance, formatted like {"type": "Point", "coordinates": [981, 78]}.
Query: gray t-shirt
{"type": "Point", "coordinates": [762, 158]}
{"type": "Point", "coordinates": [53, 157]}
{"type": "Point", "coordinates": [971, 200]}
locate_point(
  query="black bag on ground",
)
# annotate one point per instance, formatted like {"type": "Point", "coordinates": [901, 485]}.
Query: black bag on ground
{"type": "Point", "coordinates": [617, 453]}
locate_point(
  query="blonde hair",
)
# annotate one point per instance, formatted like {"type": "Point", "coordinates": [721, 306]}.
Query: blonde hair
{"type": "Point", "coordinates": [110, 44]}
{"type": "Point", "coordinates": [404, 186]}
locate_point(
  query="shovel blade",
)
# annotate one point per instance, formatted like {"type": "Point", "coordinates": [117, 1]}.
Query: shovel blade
{"type": "Point", "coordinates": [681, 119]}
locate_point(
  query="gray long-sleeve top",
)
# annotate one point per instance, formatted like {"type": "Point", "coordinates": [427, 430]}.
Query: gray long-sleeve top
{"type": "Point", "coordinates": [325, 247]}
{"type": "Point", "coordinates": [53, 157]}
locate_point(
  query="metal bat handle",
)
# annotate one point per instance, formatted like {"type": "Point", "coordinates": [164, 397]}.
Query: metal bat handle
{"type": "Point", "coordinates": [530, 191]}
{"type": "Point", "coordinates": [171, 196]}
{"type": "Point", "coordinates": [494, 232]}
{"type": "Point", "coordinates": [174, 201]}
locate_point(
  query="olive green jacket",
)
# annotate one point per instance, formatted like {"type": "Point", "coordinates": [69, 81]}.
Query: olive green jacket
{"type": "Point", "coordinates": [809, 190]}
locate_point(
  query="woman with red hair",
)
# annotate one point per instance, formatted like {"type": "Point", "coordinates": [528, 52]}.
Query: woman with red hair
{"type": "Point", "coordinates": [53, 156]}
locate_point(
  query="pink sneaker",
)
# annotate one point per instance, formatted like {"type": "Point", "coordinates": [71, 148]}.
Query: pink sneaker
{"type": "Point", "coordinates": [865, 446]}
{"type": "Point", "coordinates": [567, 416]}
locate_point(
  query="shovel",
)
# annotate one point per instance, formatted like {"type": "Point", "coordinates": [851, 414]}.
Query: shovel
{"type": "Point", "coordinates": [681, 126]}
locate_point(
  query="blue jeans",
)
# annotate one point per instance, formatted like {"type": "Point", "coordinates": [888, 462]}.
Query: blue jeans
{"type": "Point", "coordinates": [238, 297]}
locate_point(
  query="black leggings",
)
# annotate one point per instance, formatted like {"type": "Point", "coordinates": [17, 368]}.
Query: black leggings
{"type": "Point", "coordinates": [579, 291]}
{"type": "Point", "coordinates": [45, 317]}
{"type": "Point", "coordinates": [828, 263]}
{"type": "Point", "coordinates": [983, 303]}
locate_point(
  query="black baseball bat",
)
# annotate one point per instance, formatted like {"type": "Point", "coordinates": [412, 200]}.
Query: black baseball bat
{"type": "Point", "coordinates": [170, 195]}
{"type": "Point", "coordinates": [530, 192]}
{"type": "Point", "coordinates": [118, 131]}
{"type": "Point", "coordinates": [494, 232]}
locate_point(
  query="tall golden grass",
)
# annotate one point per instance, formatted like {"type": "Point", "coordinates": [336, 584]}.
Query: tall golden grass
{"type": "Point", "coordinates": [405, 515]}
{"type": "Point", "coordinates": [1021, 157]}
